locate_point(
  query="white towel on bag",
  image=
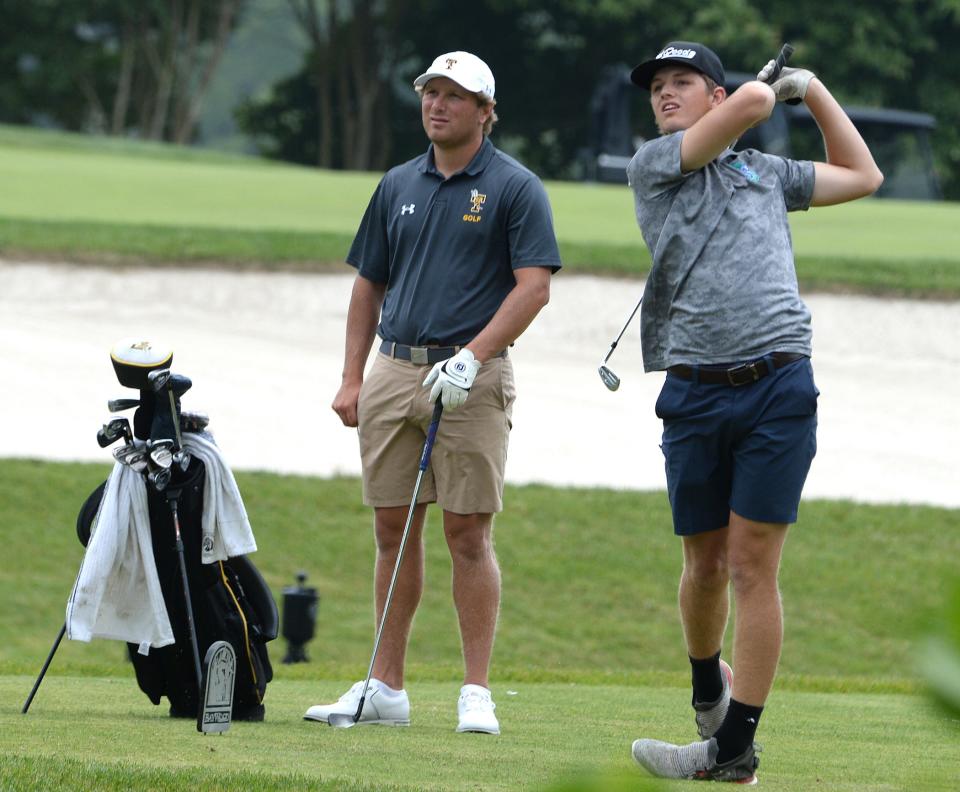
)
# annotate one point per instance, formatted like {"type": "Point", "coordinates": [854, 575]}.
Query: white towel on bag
{"type": "Point", "coordinates": [226, 529]}
{"type": "Point", "coordinates": [117, 593]}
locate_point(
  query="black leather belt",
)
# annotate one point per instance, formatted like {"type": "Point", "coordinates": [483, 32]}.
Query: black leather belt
{"type": "Point", "coordinates": [744, 374]}
{"type": "Point", "coordinates": [421, 355]}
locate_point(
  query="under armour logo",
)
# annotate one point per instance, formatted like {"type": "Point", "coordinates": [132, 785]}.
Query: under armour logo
{"type": "Point", "coordinates": [407, 209]}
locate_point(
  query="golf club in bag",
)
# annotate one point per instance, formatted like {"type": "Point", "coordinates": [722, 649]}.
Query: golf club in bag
{"type": "Point", "coordinates": [206, 603]}
{"type": "Point", "coordinates": [342, 720]}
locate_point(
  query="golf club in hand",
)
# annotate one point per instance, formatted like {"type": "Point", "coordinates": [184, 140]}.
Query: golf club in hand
{"type": "Point", "coordinates": [611, 380]}
{"type": "Point", "coordinates": [342, 720]}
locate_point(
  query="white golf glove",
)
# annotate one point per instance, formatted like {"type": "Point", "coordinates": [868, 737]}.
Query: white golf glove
{"type": "Point", "coordinates": [452, 379]}
{"type": "Point", "coordinates": [790, 85]}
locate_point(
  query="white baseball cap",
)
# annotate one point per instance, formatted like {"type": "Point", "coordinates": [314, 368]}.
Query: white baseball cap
{"type": "Point", "coordinates": [465, 69]}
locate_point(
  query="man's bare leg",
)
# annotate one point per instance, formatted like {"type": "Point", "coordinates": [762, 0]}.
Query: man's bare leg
{"type": "Point", "coordinates": [388, 528]}
{"type": "Point", "coordinates": [476, 589]}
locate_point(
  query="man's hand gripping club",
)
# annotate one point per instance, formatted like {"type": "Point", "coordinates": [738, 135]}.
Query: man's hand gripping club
{"type": "Point", "coordinates": [790, 85]}
{"type": "Point", "coordinates": [453, 378]}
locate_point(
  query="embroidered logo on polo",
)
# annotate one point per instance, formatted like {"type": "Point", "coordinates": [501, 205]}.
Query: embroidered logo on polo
{"type": "Point", "coordinates": [477, 200]}
{"type": "Point", "coordinates": [407, 209]}
{"type": "Point", "coordinates": [751, 175]}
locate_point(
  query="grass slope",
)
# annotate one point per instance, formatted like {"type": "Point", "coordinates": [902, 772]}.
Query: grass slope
{"type": "Point", "coordinates": [588, 654]}
{"type": "Point", "coordinates": [102, 199]}
{"type": "Point", "coordinates": [589, 578]}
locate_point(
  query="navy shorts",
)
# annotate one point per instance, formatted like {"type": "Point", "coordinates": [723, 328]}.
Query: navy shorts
{"type": "Point", "coordinates": [747, 449]}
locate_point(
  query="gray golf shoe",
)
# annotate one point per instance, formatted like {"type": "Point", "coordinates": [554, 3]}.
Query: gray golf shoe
{"type": "Point", "coordinates": [711, 714]}
{"type": "Point", "coordinates": [696, 761]}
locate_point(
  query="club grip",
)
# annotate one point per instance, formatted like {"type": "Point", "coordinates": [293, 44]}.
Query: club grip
{"type": "Point", "coordinates": [785, 52]}
{"type": "Point", "coordinates": [431, 435]}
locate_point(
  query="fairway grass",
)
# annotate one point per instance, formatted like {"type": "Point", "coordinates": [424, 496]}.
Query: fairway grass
{"type": "Point", "coordinates": [85, 198]}
{"type": "Point", "coordinates": [93, 732]}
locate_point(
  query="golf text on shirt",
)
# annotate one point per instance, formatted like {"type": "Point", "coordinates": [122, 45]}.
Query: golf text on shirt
{"type": "Point", "coordinates": [448, 247]}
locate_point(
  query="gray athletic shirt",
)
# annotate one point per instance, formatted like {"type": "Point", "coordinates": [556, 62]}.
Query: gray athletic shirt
{"type": "Point", "coordinates": [447, 248]}
{"type": "Point", "coordinates": [723, 286]}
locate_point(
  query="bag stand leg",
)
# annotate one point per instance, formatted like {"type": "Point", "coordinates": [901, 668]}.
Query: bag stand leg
{"type": "Point", "coordinates": [46, 665]}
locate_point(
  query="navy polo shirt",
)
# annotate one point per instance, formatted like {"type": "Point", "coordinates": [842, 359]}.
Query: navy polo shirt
{"type": "Point", "coordinates": [447, 248]}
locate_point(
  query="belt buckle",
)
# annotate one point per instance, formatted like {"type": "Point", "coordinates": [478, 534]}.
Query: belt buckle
{"type": "Point", "coordinates": [419, 355]}
{"type": "Point", "coordinates": [749, 369]}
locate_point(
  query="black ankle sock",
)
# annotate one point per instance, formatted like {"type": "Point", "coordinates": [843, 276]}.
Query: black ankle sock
{"type": "Point", "coordinates": [707, 681]}
{"type": "Point", "coordinates": [736, 732]}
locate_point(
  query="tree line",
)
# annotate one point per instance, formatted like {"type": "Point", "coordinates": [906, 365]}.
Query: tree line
{"type": "Point", "coordinates": [142, 67]}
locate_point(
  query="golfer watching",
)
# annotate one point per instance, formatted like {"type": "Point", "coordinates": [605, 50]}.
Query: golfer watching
{"type": "Point", "coordinates": [723, 317]}
{"type": "Point", "coordinates": [454, 256]}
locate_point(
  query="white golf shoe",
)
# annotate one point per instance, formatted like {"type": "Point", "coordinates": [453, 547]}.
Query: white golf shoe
{"type": "Point", "coordinates": [383, 705]}
{"type": "Point", "coordinates": [475, 709]}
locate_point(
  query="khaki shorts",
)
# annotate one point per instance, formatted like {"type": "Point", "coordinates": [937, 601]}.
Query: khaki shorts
{"type": "Point", "coordinates": [465, 474]}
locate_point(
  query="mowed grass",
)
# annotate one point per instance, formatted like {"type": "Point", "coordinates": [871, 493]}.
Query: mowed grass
{"type": "Point", "coordinates": [93, 199]}
{"type": "Point", "coordinates": [98, 733]}
{"type": "Point", "coordinates": [588, 656]}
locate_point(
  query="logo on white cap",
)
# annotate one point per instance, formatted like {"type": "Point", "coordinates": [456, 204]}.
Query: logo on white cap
{"type": "Point", "coordinates": [464, 68]}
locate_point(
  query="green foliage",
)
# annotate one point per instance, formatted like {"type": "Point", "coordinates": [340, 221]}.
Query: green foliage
{"type": "Point", "coordinates": [941, 658]}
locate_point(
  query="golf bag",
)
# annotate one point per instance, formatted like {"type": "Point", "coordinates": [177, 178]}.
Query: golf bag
{"type": "Point", "coordinates": [230, 600]}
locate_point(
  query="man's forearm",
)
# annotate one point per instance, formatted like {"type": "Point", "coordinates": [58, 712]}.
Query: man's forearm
{"type": "Point", "coordinates": [362, 317]}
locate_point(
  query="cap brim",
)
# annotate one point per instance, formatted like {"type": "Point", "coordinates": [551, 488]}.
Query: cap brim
{"type": "Point", "coordinates": [642, 75]}
{"type": "Point", "coordinates": [424, 78]}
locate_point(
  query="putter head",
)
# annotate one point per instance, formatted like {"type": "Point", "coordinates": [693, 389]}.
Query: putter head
{"type": "Point", "coordinates": [158, 378]}
{"type": "Point", "coordinates": [611, 380]}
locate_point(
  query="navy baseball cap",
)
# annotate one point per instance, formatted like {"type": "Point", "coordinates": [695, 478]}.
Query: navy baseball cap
{"type": "Point", "coordinates": [685, 53]}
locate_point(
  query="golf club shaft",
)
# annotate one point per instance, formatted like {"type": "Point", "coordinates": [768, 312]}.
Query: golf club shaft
{"type": "Point", "coordinates": [186, 597]}
{"type": "Point", "coordinates": [174, 417]}
{"type": "Point", "coordinates": [424, 462]}
{"type": "Point", "coordinates": [43, 671]}
{"type": "Point", "coordinates": [625, 326]}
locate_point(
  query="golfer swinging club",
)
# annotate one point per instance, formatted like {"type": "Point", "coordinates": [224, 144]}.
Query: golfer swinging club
{"type": "Point", "coordinates": [454, 256]}
{"type": "Point", "coordinates": [723, 316]}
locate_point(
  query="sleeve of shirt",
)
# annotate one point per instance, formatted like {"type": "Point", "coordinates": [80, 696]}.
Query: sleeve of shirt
{"type": "Point", "coordinates": [530, 233]}
{"type": "Point", "coordinates": [655, 168]}
{"type": "Point", "coordinates": [370, 251]}
{"type": "Point", "coordinates": [797, 178]}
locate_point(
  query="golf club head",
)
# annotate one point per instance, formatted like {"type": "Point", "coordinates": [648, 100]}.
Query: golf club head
{"type": "Point", "coordinates": [160, 452]}
{"type": "Point", "coordinates": [162, 457]}
{"type": "Point", "coordinates": [158, 378]}
{"type": "Point", "coordinates": [160, 478]}
{"type": "Point", "coordinates": [611, 380]}
{"type": "Point", "coordinates": [113, 431]}
{"type": "Point", "coordinates": [133, 456]}
{"type": "Point", "coordinates": [182, 458]}
{"type": "Point", "coordinates": [118, 405]}
{"type": "Point", "coordinates": [340, 720]}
